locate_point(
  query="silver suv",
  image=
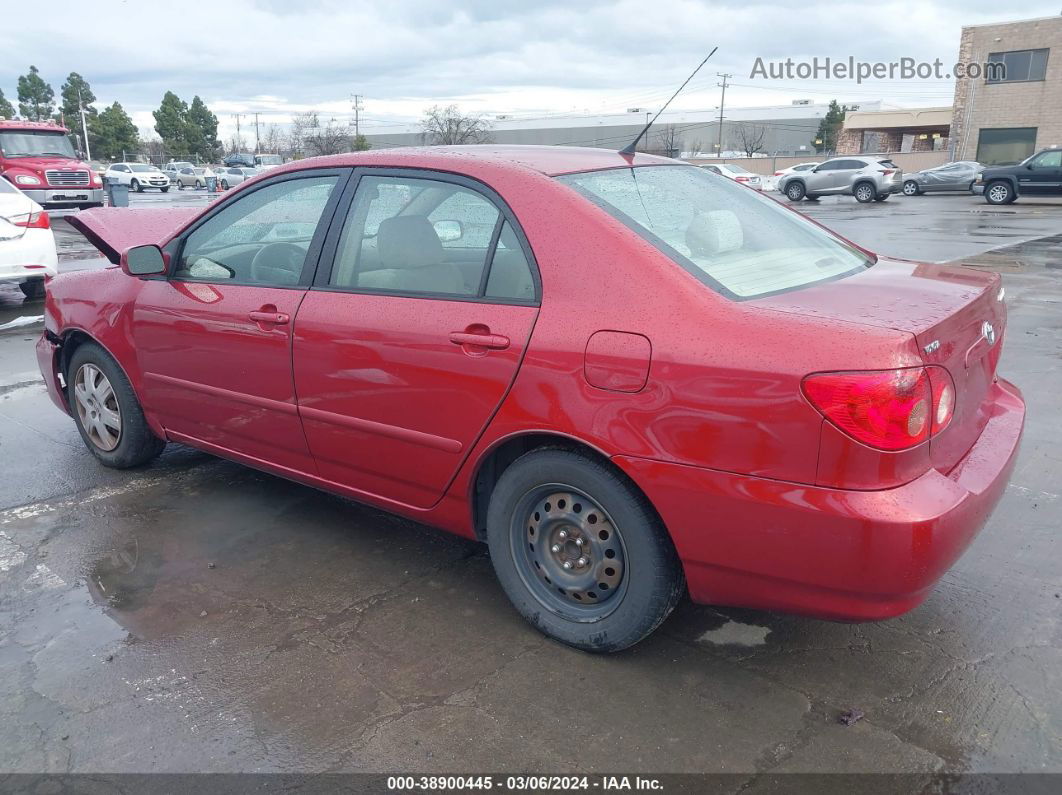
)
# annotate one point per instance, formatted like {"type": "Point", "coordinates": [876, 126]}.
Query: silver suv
{"type": "Point", "coordinates": [867, 177]}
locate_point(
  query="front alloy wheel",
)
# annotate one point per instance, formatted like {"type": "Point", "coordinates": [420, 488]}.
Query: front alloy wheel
{"type": "Point", "coordinates": [794, 191]}
{"type": "Point", "coordinates": [97, 407]}
{"type": "Point", "coordinates": [999, 193]}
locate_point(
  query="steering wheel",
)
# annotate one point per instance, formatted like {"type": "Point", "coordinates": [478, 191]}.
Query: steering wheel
{"type": "Point", "coordinates": [278, 263]}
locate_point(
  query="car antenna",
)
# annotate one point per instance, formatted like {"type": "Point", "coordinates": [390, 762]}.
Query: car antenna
{"type": "Point", "coordinates": [629, 148]}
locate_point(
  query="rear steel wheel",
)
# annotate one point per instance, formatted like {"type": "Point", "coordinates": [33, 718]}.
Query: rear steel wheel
{"type": "Point", "coordinates": [569, 552]}
{"type": "Point", "coordinates": [97, 407]}
{"type": "Point", "coordinates": [910, 188]}
{"type": "Point", "coordinates": [580, 551]}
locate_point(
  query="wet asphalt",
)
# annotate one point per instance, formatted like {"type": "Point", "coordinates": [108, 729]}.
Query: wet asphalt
{"type": "Point", "coordinates": [196, 615]}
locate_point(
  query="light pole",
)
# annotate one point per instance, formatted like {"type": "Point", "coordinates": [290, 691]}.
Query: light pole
{"type": "Point", "coordinates": [84, 126]}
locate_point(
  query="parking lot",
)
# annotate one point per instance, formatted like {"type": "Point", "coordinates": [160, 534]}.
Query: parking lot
{"type": "Point", "coordinates": [197, 615]}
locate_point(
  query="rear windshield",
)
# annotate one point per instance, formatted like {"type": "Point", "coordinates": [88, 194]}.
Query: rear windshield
{"type": "Point", "coordinates": [887, 164]}
{"type": "Point", "coordinates": [736, 241]}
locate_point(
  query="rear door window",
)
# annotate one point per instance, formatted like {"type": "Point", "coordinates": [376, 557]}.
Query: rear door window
{"type": "Point", "coordinates": [736, 241]}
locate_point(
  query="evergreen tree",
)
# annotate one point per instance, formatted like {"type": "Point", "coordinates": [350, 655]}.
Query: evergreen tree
{"type": "Point", "coordinates": [171, 123]}
{"type": "Point", "coordinates": [114, 134]}
{"type": "Point", "coordinates": [69, 107]}
{"type": "Point", "coordinates": [6, 111]}
{"type": "Point", "coordinates": [830, 128]}
{"type": "Point", "coordinates": [36, 99]}
{"type": "Point", "coordinates": [201, 131]}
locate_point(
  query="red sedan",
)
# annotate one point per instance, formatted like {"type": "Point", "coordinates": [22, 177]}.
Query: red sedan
{"type": "Point", "coordinates": [630, 377]}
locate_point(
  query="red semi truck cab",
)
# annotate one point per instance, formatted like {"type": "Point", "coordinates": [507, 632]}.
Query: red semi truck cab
{"type": "Point", "coordinates": [38, 157]}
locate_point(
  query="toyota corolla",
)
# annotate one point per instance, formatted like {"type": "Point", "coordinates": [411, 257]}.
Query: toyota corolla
{"type": "Point", "coordinates": [631, 378]}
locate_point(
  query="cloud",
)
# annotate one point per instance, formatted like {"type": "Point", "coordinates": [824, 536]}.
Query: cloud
{"type": "Point", "coordinates": [282, 56]}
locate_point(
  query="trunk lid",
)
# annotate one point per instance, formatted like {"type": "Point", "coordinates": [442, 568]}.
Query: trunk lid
{"type": "Point", "coordinates": [954, 314]}
{"type": "Point", "coordinates": [115, 229]}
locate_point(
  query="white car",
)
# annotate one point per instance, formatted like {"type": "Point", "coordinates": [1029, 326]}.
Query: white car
{"type": "Point", "coordinates": [27, 245]}
{"type": "Point", "coordinates": [138, 176]}
{"type": "Point", "coordinates": [771, 182]}
{"type": "Point", "coordinates": [736, 173]}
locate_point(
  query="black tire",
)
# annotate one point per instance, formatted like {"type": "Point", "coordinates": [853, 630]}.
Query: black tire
{"type": "Point", "coordinates": [135, 186]}
{"type": "Point", "coordinates": [224, 184]}
{"type": "Point", "coordinates": [198, 184]}
{"type": "Point", "coordinates": [795, 191]}
{"type": "Point", "coordinates": [33, 289]}
{"type": "Point", "coordinates": [864, 192]}
{"type": "Point", "coordinates": [910, 188]}
{"type": "Point", "coordinates": [165, 190]}
{"type": "Point", "coordinates": [881, 197]}
{"type": "Point", "coordinates": [136, 443]}
{"type": "Point", "coordinates": [999, 192]}
{"type": "Point", "coordinates": [650, 580]}
{"type": "Point", "coordinates": [812, 197]}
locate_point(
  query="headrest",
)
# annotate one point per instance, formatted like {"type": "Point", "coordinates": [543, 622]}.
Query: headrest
{"type": "Point", "coordinates": [408, 241]}
{"type": "Point", "coordinates": [714, 232]}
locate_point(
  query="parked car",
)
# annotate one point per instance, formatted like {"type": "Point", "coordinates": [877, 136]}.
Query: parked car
{"type": "Point", "coordinates": [629, 377]}
{"type": "Point", "coordinates": [1038, 175]}
{"type": "Point", "coordinates": [174, 167]}
{"type": "Point", "coordinates": [867, 177]}
{"type": "Point", "coordinates": [38, 158]}
{"type": "Point", "coordinates": [736, 173]}
{"type": "Point", "coordinates": [138, 176]}
{"type": "Point", "coordinates": [239, 159]}
{"type": "Point", "coordinates": [771, 182]}
{"type": "Point", "coordinates": [193, 177]}
{"type": "Point", "coordinates": [231, 177]}
{"type": "Point", "coordinates": [27, 245]}
{"type": "Point", "coordinates": [957, 176]}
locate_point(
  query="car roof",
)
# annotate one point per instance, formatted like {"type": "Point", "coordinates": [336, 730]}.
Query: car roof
{"type": "Point", "coordinates": [548, 160]}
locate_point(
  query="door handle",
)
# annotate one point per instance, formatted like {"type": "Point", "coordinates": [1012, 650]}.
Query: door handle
{"type": "Point", "coordinates": [496, 342]}
{"type": "Point", "coordinates": [274, 317]}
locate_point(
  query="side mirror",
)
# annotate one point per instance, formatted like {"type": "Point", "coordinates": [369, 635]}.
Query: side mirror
{"type": "Point", "coordinates": [80, 154]}
{"type": "Point", "coordinates": [143, 261]}
{"type": "Point", "coordinates": [448, 231]}
{"type": "Point", "coordinates": [1030, 166]}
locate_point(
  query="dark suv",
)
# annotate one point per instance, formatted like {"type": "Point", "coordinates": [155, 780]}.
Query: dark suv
{"type": "Point", "coordinates": [1039, 175]}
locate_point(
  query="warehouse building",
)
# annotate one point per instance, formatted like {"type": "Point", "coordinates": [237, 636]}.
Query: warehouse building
{"type": "Point", "coordinates": [782, 130]}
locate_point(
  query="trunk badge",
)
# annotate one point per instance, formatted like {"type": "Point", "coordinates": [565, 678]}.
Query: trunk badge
{"type": "Point", "coordinates": [988, 331]}
{"type": "Point", "coordinates": [934, 345]}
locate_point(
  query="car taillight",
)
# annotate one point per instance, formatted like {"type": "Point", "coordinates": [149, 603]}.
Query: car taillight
{"type": "Point", "coordinates": [886, 409]}
{"type": "Point", "coordinates": [777, 173]}
{"type": "Point", "coordinates": [888, 171]}
{"type": "Point", "coordinates": [943, 389]}
{"type": "Point", "coordinates": [31, 220]}
{"type": "Point", "coordinates": [741, 179]}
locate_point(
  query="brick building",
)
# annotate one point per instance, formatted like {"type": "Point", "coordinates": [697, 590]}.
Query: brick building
{"type": "Point", "coordinates": [1006, 120]}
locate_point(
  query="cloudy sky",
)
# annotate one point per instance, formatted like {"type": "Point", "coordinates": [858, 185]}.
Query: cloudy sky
{"type": "Point", "coordinates": [490, 56]}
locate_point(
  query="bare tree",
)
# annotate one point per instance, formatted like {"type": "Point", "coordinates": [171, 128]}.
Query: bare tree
{"type": "Point", "coordinates": [444, 126]}
{"type": "Point", "coordinates": [151, 149]}
{"type": "Point", "coordinates": [314, 137]}
{"type": "Point", "coordinates": [751, 137]}
{"type": "Point", "coordinates": [236, 144]}
{"type": "Point", "coordinates": [667, 138]}
{"type": "Point", "coordinates": [272, 139]}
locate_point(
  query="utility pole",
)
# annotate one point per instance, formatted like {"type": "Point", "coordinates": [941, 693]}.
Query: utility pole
{"type": "Point", "coordinates": [238, 141]}
{"type": "Point", "coordinates": [84, 126]}
{"type": "Point", "coordinates": [357, 109]}
{"type": "Point", "coordinates": [722, 100]}
{"type": "Point", "coordinates": [257, 140]}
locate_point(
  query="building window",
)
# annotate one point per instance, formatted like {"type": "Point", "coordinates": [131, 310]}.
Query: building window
{"type": "Point", "coordinates": [1018, 66]}
{"type": "Point", "coordinates": [1005, 145]}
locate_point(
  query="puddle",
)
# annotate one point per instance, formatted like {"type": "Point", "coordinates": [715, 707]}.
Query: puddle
{"type": "Point", "coordinates": [735, 633]}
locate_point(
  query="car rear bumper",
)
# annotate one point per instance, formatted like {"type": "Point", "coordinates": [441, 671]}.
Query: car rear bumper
{"type": "Point", "coordinates": [831, 553]}
{"type": "Point", "coordinates": [48, 360]}
{"type": "Point", "coordinates": [50, 197]}
{"type": "Point", "coordinates": [31, 256]}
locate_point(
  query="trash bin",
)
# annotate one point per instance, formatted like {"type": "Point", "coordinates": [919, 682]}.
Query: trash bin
{"type": "Point", "coordinates": [117, 194]}
{"type": "Point", "coordinates": [212, 184]}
